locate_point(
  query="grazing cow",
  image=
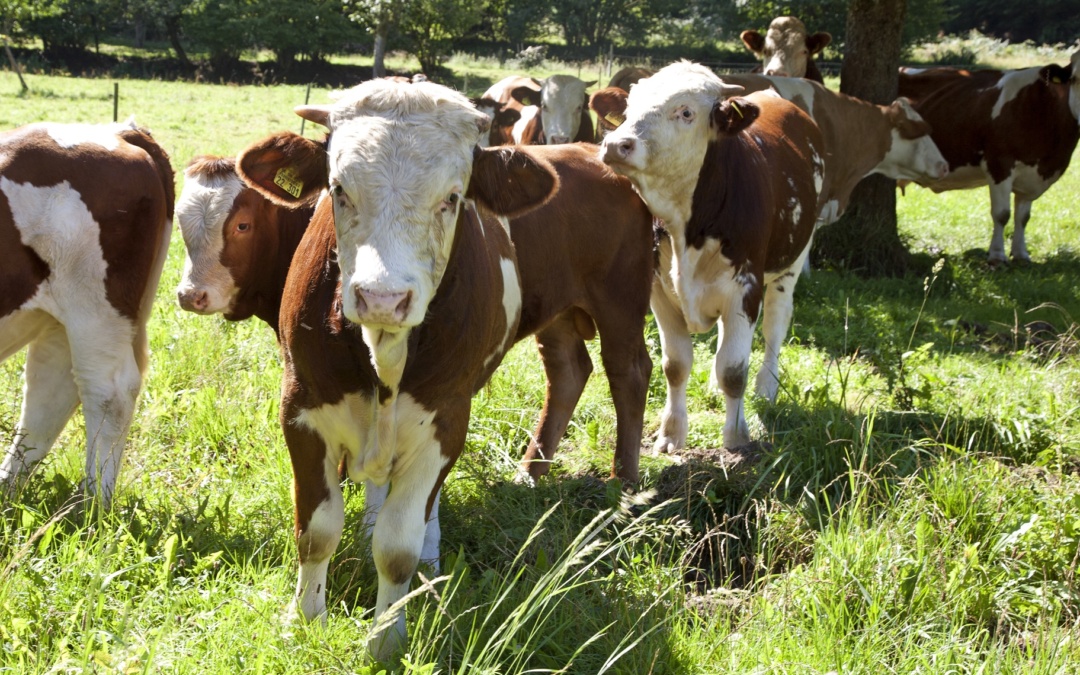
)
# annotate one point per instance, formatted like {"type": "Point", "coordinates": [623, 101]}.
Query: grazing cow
{"type": "Point", "coordinates": [552, 111]}
{"type": "Point", "coordinates": [736, 182]}
{"type": "Point", "coordinates": [585, 260]}
{"type": "Point", "coordinates": [84, 231]}
{"type": "Point", "coordinates": [1014, 131]}
{"type": "Point", "coordinates": [786, 49]}
{"type": "Point", "coordinates": [403, 298]}
{"type": "Point", "coordinates": [628, 76]}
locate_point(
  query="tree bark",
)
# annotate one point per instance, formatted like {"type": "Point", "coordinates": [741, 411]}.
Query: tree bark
{"type": "Point", "coordinates": [866, 238]}
{"type": "Point", "coordinates": [172, 28]}
{"type": "Point", "coordinates": [11, 57]}
{"type": "Point", "coordinates": [378, 68]}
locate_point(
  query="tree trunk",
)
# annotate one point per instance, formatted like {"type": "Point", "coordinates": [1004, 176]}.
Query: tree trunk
{"type": "Point", "coordinates": [866, 238]}
{"type": "Point", "coordinates": [378, 68]}
{"type": "Point", "coordinates": [172, 27]}
{"type": "Point", "coordinates": [11, 57]}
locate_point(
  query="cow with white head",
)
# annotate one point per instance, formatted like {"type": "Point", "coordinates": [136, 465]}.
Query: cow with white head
{"type": "Point", "coordinates": [402, 298]}
{"type": "Point", "coordinates": [736, 183]}
{"type": "Point", "coordinates": [786, 49]}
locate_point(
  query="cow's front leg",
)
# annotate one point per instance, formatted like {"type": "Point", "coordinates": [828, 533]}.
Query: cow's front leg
{"type": "Point", "coordinates": [1000, 194]}
{"type": "Point", "coordinates": [730, 370]}
{"type": "Point", "coordinates": [319, 513]}
{"type": "Point", "coordinates": [678, 358]}
{"type": "Point", "coordinates": [1021, 215]}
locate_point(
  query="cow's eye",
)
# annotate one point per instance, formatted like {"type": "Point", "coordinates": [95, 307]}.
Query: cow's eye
{"type": "Point", "coordinates": [450, 202]}
{"type": "Point", "coordinates": [685, 114]}
{"type": "Point", "coordinates": [243, 227]}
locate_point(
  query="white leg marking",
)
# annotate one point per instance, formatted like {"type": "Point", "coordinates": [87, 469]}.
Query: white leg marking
{"type": "Point", "coordinates": [322, 535]}
{"type": "Point", "coordinates": [730, 370]}
{"type": "Point", "coordinates": [1000, 194]}
{"type": "Point", "coordinates": [678, 360]}
{"type": "Point", "coordinates": [1021, 215]}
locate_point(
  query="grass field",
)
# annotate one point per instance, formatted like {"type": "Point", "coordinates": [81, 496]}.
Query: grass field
{"type": "Point", "coordinates": [914, 506]}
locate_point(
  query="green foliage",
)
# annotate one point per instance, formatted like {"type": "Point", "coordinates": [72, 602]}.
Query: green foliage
{"type": "Point", "coordinates": [223, 27]}
{"type": "Point", "coordinates": [432, 25]}
{"type": "Point", "coordinates": [311, 28]}
{"type": "Point", "coordinates": [1044, 21]}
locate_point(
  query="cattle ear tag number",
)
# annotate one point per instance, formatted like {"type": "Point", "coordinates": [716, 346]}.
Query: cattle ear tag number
{"type": "Point", "coordinates": [615, 118]}
{"type": "Point", "coordinates": [288, 180]}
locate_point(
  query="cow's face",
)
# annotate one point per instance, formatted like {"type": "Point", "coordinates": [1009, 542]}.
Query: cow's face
{"type": "Point", "coordinates": [786, 48]}
{"type": "Point", "coordinates": [1074, 85]}
{"type": "Point", "coordinates": [562, 100]}
{"type": "Point", "coordinates": [211, 186]}
{"type": "Point", "coordinates": [499, 114]}
{"type": "Point", "coordinates": [913, 154]}
{"type": "Point", "coordinates": [662, 142]}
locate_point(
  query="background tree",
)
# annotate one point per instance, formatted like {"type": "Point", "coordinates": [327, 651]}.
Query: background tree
{"type": "Point", "coordinates": [301, 28]}
{"type": "Point", "coordinates": [11, 13]}
{"type": "Point", "coordinates": [432, 25]}
{"type": "Point", "coordinates": [380, 17]}
{"type": "Point", "coordinates": [866, 236]}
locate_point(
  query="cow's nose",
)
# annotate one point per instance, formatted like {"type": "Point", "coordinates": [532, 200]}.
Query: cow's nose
{"type": "Point", "coordinates": [380, 307]}
{"type": "Point", "coordinates": [941, 170]}
{"type": "Point", "coordinates": [772, 72]}
{"type": "Point", "coordinates": [193, 300]}
{"type": "Point", "coordinates": [625, 147]}
{"type": "Point", "coordinates": [559, 140]}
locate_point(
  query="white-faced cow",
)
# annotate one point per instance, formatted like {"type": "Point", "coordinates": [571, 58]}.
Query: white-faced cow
{"type": "Point", "coordinates": [1014, 131]}
{"type": "Point", "coordinates": [736, 182]}
{"type": "Point", "coordinates": [585, 260]}
{"type": "Point", "coordinates": [553, 110]}
{"type": "Point", "coordinates": [85, 218]}
{"type": "Point", "coordinates": [402, 299]}
{"type": "Point", "coordinates": [786, 49]}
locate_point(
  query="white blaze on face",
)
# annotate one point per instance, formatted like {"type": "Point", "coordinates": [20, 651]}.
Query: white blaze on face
{"type": "Point", "coordinates": [785, 51]}
{"type": "Point", "coordinates": [912, 158]}
{"type": "Point", "coordinates": [400, 160]}
{"type": "Point", "coordinates": [201, 210]}
{"type": "Point", "coordinates": [561, 102]}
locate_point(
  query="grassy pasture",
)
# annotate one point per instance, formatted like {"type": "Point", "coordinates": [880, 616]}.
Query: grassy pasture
{"type": "Point", "coordinates": [915, 507]}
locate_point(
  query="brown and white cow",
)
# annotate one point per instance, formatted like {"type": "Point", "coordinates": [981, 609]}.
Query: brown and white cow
{"type": "Point", "coordinates": [401, 301]}
{"type": "Point", "coordinates": [630, 75]}
{"type": "Point", "coordinates": [553, 110]}
{"type": "Point", "coordinates": [786, 49]}
{"type": "Point", "coordinates": [1014, 131]}
{"type": "Point", "coordinates": [585, 260]}
{"type": "Point", "coordinates": [736, 182]}
{"type": "Point", "coordinates": [85, 219]}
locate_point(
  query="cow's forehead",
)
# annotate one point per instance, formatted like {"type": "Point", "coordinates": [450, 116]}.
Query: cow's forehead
{"type": "Point", "coordinates": [689, 81]}
{"type": "Point", "coordinates": [205, 203]}
{"type": "Point", "coordinates": [563, 87]}
{"type": "Point", "coordinates": [419, 102]}
{"type": "Point", "coordinates": [786, 30]}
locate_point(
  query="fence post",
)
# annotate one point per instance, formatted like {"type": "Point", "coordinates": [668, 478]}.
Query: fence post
{"type": "Point", "coordinates": [307, 97]}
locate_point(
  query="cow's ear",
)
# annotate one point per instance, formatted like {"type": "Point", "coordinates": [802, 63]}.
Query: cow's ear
{"type": "Point", "coordinates": [1055, 74]}
{"type": "Point", "coordinates": [753, 40]}
{"type": "Point", "coordinates": [286, 168]}
{"type": "Point", "coordinates": [526, 95]}
{"type": "Point", "coordinates": [732, 115]}
{"type": "Point", "coordinates": [609, 104]}
{"type": "Point", "coordinates": [511, 181]}
{"type": "Point", "coordinates": [506, 118]}
{"type": "Point", "coordinates": [818, 41]}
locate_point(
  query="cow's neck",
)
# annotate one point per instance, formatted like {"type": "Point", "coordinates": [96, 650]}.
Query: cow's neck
{"type": "Point", "coordinates": [291, 225]}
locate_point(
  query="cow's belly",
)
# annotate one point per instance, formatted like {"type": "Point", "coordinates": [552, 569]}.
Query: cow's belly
{"type": "Point", "coordinates": [19, 328]}
{"type": "Point", "coordinates": [1028, 184]}
{"type": "Point", "coordinates": [349, 429]}
{"type": "Point", "coordinates": [962, 178]}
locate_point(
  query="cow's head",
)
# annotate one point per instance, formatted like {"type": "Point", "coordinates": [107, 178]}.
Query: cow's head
{"type": "Point", "coordinates": [211, 187]}
{"type": "Point", "coordinates": [498, 113]}
{"type": "Point", "coordinates": [609, 104]}
{"type": "Point", "coordinates": [913, 155]}
{"type": "Point", "coordinates": [563, 103]}
{"type": "Point", "coordinates": [786, 48]}
{"type": "Point", "coordinates": [671, 118]}
{"type": "Point", "coordinates": [401, 161]}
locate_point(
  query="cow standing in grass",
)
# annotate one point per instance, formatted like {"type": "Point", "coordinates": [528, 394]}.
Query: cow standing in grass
{"type": "Point", "coordinates": [402, 299]}
{"type": "Point", "coordinates": [1012, 130]}
{"type": "Point", "coordinates": [85, 219]}
{"type": "Point", "coordinates": [736, 183]}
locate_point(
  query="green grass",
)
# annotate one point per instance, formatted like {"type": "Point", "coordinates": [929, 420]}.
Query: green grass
{"type": "Point", "coordinates": [915, 506]}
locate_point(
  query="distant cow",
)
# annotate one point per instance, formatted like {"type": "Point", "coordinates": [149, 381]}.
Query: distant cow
{"type": "Point", "coordinates": [402, 299]}
{"type": "Point", "coordinates": [84, 231]}
{"type": "Point", "coordinates": [553, 111]}
{"type": "Point", "coordinates": [628, 76]}
{"type": "Point", "coordinates": [786, 49]}
{"type": "Point", "coordinates": [735, 181]}
{"type": "Point", "coordinates": [1014, 131]}
{"type": "Point", "coordinates": [585, 260]}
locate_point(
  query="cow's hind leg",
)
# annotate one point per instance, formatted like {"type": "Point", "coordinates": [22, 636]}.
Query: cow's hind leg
{"type": "Point", "coordinates": [678, 358]}
{"type": "Point", "coordinates": [730, 371]}
{"type": "Point", "coordinates": [1000, 194]}
{"type": "Point", "coordinates": [567, 366]}
{"type": "Point", "coordinates": [49, 399]}
{"type": "Point", "coordinates": [776, 318]}
{"type": "Point", "coordinates": [628, 367]}
{"type": "Point", "coordinates": [319, 510]}
{"type": "Point", "coordinates": [1021, 215]}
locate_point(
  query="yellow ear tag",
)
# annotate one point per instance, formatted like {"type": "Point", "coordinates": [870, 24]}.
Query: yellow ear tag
{"type": "Point", "coordinates": [615, 119]}
{"type": "Point", "coordinates": [1057, 80]}
{"type": "Point", "coordinates": [288, 180]}
{"type": "Point", "coordinates": [736, 107]}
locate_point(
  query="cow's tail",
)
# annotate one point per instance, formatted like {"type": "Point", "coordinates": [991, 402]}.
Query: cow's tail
{"type": "Point", "coordinates": [142, 139]}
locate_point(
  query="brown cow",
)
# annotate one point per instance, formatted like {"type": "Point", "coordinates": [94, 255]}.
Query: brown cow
{"type": "Point", "coordinates": [585, 260]}
{"type": "Point", "coordinates": [1014, 131]}
{"type": "Point", "coordinates": [85, 219]}
{"type": "Point", "coordinates": [401, 303]}
{"type": "Point", "coordinates": [553, 111]}
{"type": "Point", "coordinates": [735, 181]}
{"type": "Point", "coordinates": [629, 75]}
{"type": "Point", "coordinates": [786, 49]}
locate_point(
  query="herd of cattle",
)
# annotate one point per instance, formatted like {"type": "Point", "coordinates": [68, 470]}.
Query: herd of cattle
{"type": "Point", "coordinates": [401, 257]}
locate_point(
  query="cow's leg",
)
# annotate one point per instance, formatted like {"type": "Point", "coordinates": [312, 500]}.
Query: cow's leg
{"type": "Point", "coordinates": [779, 302]}
{"type": "Point", "coordinates": [319, 511]}
{"type": "Point", "coordinates": [1000, 193]}
{"type": "Point", "coordinates": [567, 366]}
{"type": "Point", "coordinates": [1021, 215]}
{"type": "Point", "coordinates": [678, 358]}
{"type": "Point", "coordinates": [49, 399]}
{"type": "Point", "coordinates": [400, 529]}
{"type": "Point", "coordinates": [730, 369]}
{"type": "Point", "coordinates": [628, 366]}
{"type": "Point", "coordinates": [109, 379]}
